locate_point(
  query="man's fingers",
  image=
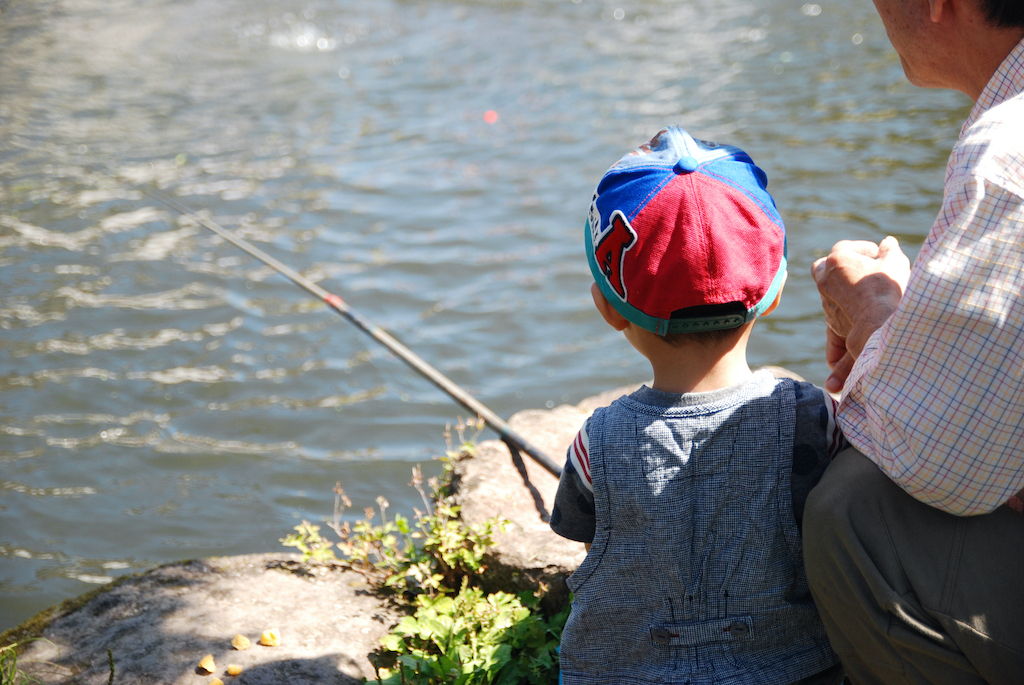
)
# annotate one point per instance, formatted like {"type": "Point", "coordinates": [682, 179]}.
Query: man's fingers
{"type": "Point", "coordinates": [818, 269]}
{"type": "Point", "coordinates": [860, 284]}
{"type": "Point", "coordinates": [896, 264]}
{"type": "Point", "coordinates": [821, 268]}
{"type": "Point", "coordinates": [840, 372]}
{"type": "Point", "coordinates": [835, 348]}
{"type": "Point", "coordinates": [888, 244]}
{"type": "Point", "coordinates": [861, 247]}
{"type": "Point", "coordinates": [889, 249]}
{"type": "Point", "coordinates": [843, 253]}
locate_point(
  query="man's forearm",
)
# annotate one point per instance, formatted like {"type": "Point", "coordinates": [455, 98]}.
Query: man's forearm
{"type": "Point", "coordinates": [936, 399]}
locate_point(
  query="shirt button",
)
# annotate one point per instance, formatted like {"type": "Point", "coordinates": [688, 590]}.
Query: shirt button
{"type": "Point", "coordinates": [660, 636]}
{"type": "Point", "coordinates": [738, 629]}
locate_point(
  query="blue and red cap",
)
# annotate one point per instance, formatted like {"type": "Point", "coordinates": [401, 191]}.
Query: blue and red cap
{"type": "Point", "coordinates": [681, 223]}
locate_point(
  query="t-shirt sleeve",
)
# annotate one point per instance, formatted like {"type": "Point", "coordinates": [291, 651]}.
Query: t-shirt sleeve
{"type": "Point", "coordinates": [572, 515]}
{"type": "Point", "coordinates": [816, 441]}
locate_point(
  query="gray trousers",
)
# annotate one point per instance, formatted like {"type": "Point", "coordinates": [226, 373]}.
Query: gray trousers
{"type": "Point", "coordinates": [910, 594]}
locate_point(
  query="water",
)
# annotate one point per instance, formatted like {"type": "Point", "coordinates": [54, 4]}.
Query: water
{"type": "Point", "coordinates": [162, 396]}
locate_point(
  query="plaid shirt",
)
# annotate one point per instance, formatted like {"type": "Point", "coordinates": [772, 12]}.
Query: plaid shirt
{"type": "Point", "coordinates": [936, 399]}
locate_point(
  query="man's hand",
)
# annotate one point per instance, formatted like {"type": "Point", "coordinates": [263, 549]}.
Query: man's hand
{"type": "Point", "coordinates": [861, 285]}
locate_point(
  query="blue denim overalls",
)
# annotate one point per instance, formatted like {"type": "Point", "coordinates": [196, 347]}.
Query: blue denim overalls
{"type": "Point", "coordinates": [696, 570]}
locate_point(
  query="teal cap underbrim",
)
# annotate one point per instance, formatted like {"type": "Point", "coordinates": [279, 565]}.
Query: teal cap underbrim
{"type": "Point", "coordinates": [679, 325]}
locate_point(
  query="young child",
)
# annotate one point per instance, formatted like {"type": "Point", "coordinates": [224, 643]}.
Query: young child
{"type": "Point", "coordinates": [690, 493]}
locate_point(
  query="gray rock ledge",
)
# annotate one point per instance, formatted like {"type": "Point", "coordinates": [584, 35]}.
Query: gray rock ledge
{"type": "Point", "coordinates": [158, 625]}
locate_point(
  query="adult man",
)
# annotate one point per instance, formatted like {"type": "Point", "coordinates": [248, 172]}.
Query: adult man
{"type": "Point", "coordinates": [914, 559]}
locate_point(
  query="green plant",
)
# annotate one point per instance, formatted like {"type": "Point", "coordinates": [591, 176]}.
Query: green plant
{"type": "Point", "coordinates": [467, 446]}
{"type": "Point", "coordinates": [455, 549]}
{"type": "Point", "coordinates": [432, 553]}
{"type": "Point", "coordinates": [473, 638]}
{"type": "Point", "coordinates": [429, 555]}
{"type": "Point", "coordinates": [10, 674]}
{"type": "Point", "coordinates": [463, 637]}
{"type": "Point", "coordinates": [308, 541]}
{"type": "Point", "coordinates": [387, 553]}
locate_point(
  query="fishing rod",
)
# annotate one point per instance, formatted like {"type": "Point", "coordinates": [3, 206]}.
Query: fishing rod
{"type": "Point", "coordinates": [504, 431]}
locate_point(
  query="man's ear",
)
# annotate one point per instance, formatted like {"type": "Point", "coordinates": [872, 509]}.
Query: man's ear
{"type": "Point", "coordinates": [936, 8]}
{"type": "Point", "coordinates": [608, 312]}
{"type": "Point", "coordinates": [778, 297]}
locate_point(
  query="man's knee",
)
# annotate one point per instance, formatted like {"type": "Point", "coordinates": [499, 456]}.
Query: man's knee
{"type": "Point", "coordinates": [846, 529]}
{"type": "Point", "coordinates": [903, 587]}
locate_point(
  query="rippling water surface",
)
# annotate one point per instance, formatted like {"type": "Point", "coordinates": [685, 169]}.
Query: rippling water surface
{"type": "Point", "coordinates": [163, 396]}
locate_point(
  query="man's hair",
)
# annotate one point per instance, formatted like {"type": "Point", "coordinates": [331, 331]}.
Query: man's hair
{"type": "Point", "coordinates": [1004, 13]}
{"type": "Point", "coordinates": [706, 338]}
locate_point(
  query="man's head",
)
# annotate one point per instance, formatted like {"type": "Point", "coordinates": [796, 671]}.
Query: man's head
{"type": "Point", "coordinates": [683, 237]}
{"type": "Point", "coordinates": [954, 44]}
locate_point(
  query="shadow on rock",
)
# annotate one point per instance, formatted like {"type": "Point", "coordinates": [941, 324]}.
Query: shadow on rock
{"type": "Point", "coordinates": [159, 625]}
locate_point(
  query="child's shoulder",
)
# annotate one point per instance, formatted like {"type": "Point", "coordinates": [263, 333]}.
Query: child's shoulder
{"type": "Point", "coordinates": [807, 395]}
{"type": "Point", "coordinates": [810, 397]}
{"type": "Point", "coordinates": [816, 418]}
{"type": "Point", "coordinates": [579, 450]}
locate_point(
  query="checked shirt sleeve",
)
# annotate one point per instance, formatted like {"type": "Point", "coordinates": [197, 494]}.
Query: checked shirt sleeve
{"type": "Point", "coordinates": [936, 399]}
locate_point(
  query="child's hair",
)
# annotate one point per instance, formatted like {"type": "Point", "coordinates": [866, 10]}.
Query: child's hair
{"type": "Point", "coordinates": [706, 338]}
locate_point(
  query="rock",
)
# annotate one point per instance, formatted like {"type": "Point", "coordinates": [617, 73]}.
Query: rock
{"type": "Point", "coordinates": [158, 625]}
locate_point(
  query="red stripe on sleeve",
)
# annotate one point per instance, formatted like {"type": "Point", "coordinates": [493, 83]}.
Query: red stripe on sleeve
{"type": "Point", "coordinates": [581, 457]}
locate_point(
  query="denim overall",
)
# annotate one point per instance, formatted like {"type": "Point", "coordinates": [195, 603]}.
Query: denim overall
{"type": "Point", "coordinates": [696, 570]}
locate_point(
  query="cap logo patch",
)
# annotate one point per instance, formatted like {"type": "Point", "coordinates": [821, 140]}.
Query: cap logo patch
{"type": "Point", "coordinates": [648, 147]}
{"type": "Point", "coordinates": [610, 252]}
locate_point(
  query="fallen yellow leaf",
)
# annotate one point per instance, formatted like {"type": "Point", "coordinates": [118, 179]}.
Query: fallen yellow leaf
{"type": "Point", "coordinates": [240, 642]}
{"type": "Point", "coordinates": [270, 637]}
{"type": "Point", "coordinates": [206, 664]}
{"type": "Point", "coordinates": [216, 681]}
{"type": "Point", "coordinates": [234, 669]}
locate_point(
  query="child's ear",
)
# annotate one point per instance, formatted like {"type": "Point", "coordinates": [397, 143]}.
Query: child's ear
{"type": "Point", "coordinates": [608, 312]}
{"type": "Point", "coordinates": [778, 297]}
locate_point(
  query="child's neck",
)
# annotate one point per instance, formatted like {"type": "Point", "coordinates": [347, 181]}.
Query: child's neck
{"type": "Point", "coordinates": [696, 368]}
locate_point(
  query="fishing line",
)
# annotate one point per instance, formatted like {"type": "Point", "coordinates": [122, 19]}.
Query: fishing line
{"type": "Point", "coordinates": [514, 441]}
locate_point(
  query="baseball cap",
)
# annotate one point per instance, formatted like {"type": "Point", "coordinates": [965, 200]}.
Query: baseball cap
{"type": "Point", "coordinates": [680, 224]}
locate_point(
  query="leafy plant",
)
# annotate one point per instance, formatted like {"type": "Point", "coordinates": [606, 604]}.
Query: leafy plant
{"type": "Point", "coordinates": [433, 552]}
{"type": "Point", "coordinates": [455, 549]}
{"type": "Point", "coordinates": [10, 674]}
{"type": "Point", "coordinates": [463, 637]}
{"type": "Point", "coordinates": [308, 541]}
{"type": "Point", "coordinates": [474, 638]}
